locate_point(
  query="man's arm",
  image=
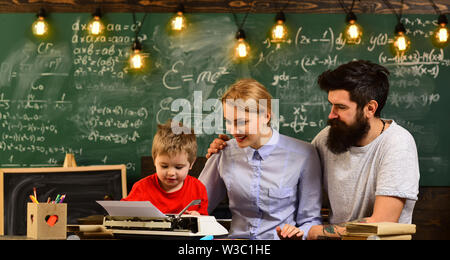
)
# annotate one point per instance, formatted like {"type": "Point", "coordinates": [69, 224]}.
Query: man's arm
{"type": "Point", "coordinates": [386, 209]}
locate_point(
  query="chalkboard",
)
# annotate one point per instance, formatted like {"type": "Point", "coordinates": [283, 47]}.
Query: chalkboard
{"type": "Point", "coordinates": [73, 92]}
{"type": "Point", "coordinates": [82, 186]}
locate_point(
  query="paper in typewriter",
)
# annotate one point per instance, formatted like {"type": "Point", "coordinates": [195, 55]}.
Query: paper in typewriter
{"type": "Point", "coordinates": [131, 209]}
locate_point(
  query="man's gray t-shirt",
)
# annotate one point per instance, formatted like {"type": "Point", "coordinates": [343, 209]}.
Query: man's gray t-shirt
{"type": "Point", "coordinates": [388, 166]}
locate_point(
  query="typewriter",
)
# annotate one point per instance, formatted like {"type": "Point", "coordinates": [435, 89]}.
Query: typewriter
{"type": "Point", "coordinates": [160, 225]}
{"type": "Point", "coordinates": [172, 226]}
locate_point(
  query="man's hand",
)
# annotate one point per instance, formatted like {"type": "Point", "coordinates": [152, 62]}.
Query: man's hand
{"type": "Point", "coordinates": [327, 231]}
{"type": "Point", "coordinates": [315, 231]}
{"type": "Point", "coordinates": [217, 144]}
{"type": "Point", "coordinates": [289, 232]}
{"type": "Point", "coordinates": [386, 209]}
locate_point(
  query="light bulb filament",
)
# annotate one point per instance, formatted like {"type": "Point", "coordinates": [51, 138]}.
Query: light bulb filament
{"type": "Point", "coordinates": [136, 60]}
{"type": "Point", "coordinates": [96, 26]}
{"type": "Point", "coordinates": [279, 32]}
{"type": "Point", "coordinates": [353, 31]}
{"type": "Point", "coordinates": [401, 43]}
{"type": "Point", "coordinates": [242, 50]}
{"type": "Point", "coordinates": [40, 27]}
{"type": "Point", "coordinates": [442, 35]}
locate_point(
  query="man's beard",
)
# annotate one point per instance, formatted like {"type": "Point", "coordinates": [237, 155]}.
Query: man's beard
{"type": "Point", "coordinates": [341, 137]}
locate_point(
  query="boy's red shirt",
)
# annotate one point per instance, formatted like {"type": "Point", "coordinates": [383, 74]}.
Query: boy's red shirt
{"type": "Point", "coordinates": [148, 189]}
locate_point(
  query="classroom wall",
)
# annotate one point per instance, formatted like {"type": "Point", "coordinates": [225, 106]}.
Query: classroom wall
{"type": "Point", "coordinates": [73, 92]}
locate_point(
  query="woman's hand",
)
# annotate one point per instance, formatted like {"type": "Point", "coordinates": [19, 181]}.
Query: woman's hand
{"type": "Point", "coordinates": [290, 232]}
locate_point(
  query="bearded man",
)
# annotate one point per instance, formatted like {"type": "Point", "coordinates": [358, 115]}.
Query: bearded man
{"type": "Point", "coordinates": [370, 164]}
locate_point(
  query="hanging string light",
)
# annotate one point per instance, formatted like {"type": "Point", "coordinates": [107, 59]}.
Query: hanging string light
{"type": "Point", "coordinates": [96, 25]}
{"type": "Point", "coordinates": [441, 34]}
{"type": "Point", "coordinates": [241, 47]}
{"type": "Point", "coordinates": [279, 32]}
{"type": "Point", "coordinates": [40, 26]}
{"type": "Point", "coordinates": [178, 22]}
{"type": "Point", "coordinates": [401, 41]}
{"type": "Point", "coordinates": [137, 58]}
{"type": "Point", "coordinates": [353, 31]}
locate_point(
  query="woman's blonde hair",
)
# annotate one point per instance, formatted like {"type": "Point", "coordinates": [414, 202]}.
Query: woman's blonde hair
{"type": "Point", "coordinates": [250, 89]}
{"type": "Point", "coordinates": [168, 142]}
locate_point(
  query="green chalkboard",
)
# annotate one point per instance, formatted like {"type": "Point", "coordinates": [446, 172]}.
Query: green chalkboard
{"type": "Point", "coordinates": [73, 92]}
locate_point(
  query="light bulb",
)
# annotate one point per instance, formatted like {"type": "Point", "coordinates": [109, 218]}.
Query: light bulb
{"type": "Point", "coordinates": [40, 26]}
{"type": "Point", "coordinates": [136, 60]}
{"type": "Point", "coordinates": [241, 48]}
{"type": "Point", "coordinates": [353, 32]}
{"type": "Point", "coordinates": [441, 34]}
{"type": "Point", "coordinates": [279, 31]}
{"type": "Point", "coordinates": [136, 57]}
{"type": "Point", "coordinates": [178, 22]}
{"type": "Point", "coordinates": [95, 26]}
{"type": "Point", "coordinates": [401, 41]}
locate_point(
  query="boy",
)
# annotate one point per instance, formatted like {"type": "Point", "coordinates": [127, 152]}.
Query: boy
{"type": "Point", "coordinates": [170, 189]}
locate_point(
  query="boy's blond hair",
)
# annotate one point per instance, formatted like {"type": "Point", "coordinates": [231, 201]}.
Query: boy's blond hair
{"type": "Point", "coordinates": [250, 89]}
{"type": "Point", "coordinates": [169, 143]}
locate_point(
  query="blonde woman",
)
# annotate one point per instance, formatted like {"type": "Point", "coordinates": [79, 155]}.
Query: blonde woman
{"type": "Point", "coordinates": [273, 181]}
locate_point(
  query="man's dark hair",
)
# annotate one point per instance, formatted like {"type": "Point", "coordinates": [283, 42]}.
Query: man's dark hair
{"type": "Point", "coordinates": [363, 79]}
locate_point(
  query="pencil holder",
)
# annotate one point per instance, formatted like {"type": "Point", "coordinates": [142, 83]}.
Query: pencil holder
{"type": "Point", "coordinates": [47, 221]}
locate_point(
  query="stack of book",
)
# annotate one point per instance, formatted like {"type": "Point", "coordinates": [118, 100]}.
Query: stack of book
{"type": "Point", "coordinates": [379, 231]}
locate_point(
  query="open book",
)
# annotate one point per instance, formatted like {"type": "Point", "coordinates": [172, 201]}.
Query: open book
{"type": "Point", "coordinates": [380, 229]}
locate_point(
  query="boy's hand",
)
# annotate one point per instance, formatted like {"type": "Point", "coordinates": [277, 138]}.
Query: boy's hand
{"type": "Point", "coordinates": [192, 212]}
{"type": "Point", "coordinates": [217, 144]}
{"type": "Point", "coordinates": [289, 232]}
